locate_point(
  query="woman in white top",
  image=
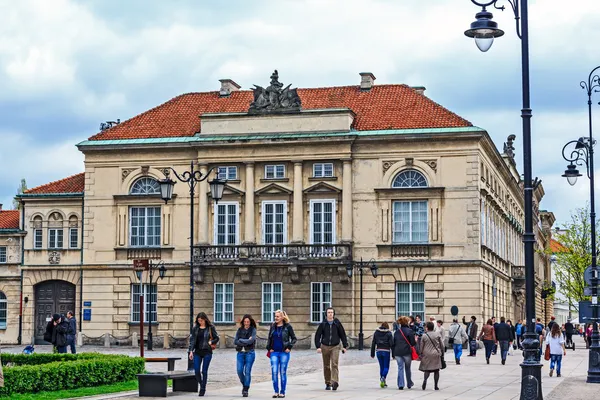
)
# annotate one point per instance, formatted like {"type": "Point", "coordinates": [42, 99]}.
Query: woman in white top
{"type": "Point", "coordinates": [555, 340]}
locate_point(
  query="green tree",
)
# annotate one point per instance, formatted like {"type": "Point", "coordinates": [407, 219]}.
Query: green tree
{"type": "Point", "coordinates": [575, 256]}
{"type": "Point", "coordinates": [20, 190]}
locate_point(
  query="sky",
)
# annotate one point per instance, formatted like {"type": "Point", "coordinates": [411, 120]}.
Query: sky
{"type": "Point", "coordinates": [66, 66]}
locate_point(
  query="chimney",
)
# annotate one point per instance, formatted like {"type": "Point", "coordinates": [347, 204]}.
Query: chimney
{"type": "Point", "coordinates": [367, 81]}
{"type": "Point", "coordinates": [419, 89]}
{"type": "Point", "coordinates": [227, 86]}
{"type": "Point", "coordinates": [0, 206]}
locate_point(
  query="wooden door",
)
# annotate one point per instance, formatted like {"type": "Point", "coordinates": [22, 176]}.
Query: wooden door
{"type": "Point", "coordinates": [51, 297]}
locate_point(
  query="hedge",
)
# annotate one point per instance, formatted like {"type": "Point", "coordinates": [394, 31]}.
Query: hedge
{"type": "Point", "coordinates": [51, 372]}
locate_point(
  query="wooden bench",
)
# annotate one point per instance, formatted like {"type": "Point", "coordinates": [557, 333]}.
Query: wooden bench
{"type": "Point", "coordinates": [155, 384]}
{"type": "Point", "coordinates": [169, 360]}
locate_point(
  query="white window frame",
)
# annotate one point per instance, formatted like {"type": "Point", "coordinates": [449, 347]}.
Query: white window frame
{"type": "Point", "coordinates": [411, 203]}
{"type": "Point", "coordinates": [146, 291]}
{"type": "Point", "coordinates": [73, 234]}
{"type": "Point", "coordinates": [224, 171]}
{"type": "Point", "coordinates": [3, 309]}
{"type": "Point", "coordinates": [221, 318]}
{"type": "Point", "coordinates": [264, 221]}
{"type": "Point", "coordinates": [322, 174]}
{"type": "Point", "coordinates": [273, 304]}
{"type": "Point", "coordinates": [146, 182]}
{"type": "Point", "coordinates": [275, 168]}
{"type": "Point", "coordinates": [411, 301]}
{"type": "Point", "coordinates": [216, 223]}
{"type": "Point", "coordinates": [53, 233]}
{"type": "Point", "coordinates": [333, 219]}
{"type": "Point", "coordinates": [145, 234]}
{"type": "Point", "coordinates": [38, 238]}
{"type": "Point", "coordinates": [3, 254]}
{"type": "Point", "coordinates": [323, 305]}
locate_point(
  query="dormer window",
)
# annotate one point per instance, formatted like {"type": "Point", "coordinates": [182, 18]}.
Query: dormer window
{"type": "Point", "coordinates": [145, 186]}
{"type": "Point", "coordinates": [409, 178]}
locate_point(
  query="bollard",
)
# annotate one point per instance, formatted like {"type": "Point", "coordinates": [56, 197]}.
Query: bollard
{"type": "Point", "coordinates": [166, 343]}
{"type": "Point", "coordinates": [134, 340]}
{"type": "Point", "coordinates": [79, 339]}
{"type": "Point", "coordinates": [312, 341]}
{"type": "Point", "coordinates": [107, 340]}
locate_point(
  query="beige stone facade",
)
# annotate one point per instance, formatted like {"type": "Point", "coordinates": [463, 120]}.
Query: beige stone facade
{"type": "Point", "coordinates": [439, 210]}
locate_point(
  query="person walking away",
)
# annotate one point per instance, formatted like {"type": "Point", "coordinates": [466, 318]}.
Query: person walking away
{"type": "Point", "coordinates": [441, 330]}
{"type": "Point", "coordinates": [202, 343]}
{"type": "Point", "coordinates": [456, 338]}
{"type": "Point", "coordinates": [557, 348]}
{"type": "Point", "coordinates": [244, 341]}
{"type": "Point", "coordinates": [472, 329]}
{"type": "Point", "coordinates": [539, 330]}
{"type": "Point", "coordinates": [404, 341]}
{"type": "Point", "coordinates": [72, 333]}
{"type": "Point", "coordinates": [504, 336]}
{"type": "Point", "coordinates": [494, 323]}
{"type": "Point", "coordinates": [431, 352]}
{"type": "Point", "coordinates": [382, 345]}
{"type": "Point", "coordinates": [488, 335]}
{"type": "Point", "coordinates": [552, 322]}
{"type": "Point", "coordinates": [59, 333]}
{"type": "Point", "coordinates": [519, 333]}
{"type": "Point", "coordinates": [569, 330]}
{"type": "Point", "coordinates": [279, 344]}
{"type": "Point", "coordinates": [514, 335]}
{"type": "Point", "coordinates": [327, 341]}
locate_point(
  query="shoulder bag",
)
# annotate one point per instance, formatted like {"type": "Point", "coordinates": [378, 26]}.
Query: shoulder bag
{"type": "Point", "coordinates": [438, 350]}
{"type": "Point", "coordinates": [213, 346]}
{"type": "Point", "coordinates": [547, 350]}
{"type": "Point", "coordinates": [413, 351]}
{"type": "Point", "coordinates": [451, 340]}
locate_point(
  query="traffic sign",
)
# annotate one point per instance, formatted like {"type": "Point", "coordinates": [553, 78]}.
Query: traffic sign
{"type": "Point", "coordinates": [587, 291]}
{"type": "Point", "coordinates": [454, 310]}
{"type": "Point", "coordinates": [587, 275]}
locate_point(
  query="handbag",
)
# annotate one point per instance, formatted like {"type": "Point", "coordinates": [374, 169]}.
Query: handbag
{"type": "Point", "coordinates": [438, 350]}
{"type": "Point", "coordinates": [413, 352]}
{"type": "Point", "coordinates": [213, 346]}
{"type": "Point", "coordinates": [268, 353]}
{"type": "Point", "coordinates": [547, 353]}
{"type": "Point", "coordinates": [451, 340]}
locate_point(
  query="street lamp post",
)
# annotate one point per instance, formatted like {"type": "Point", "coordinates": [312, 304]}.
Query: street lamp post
{"type": "Point", "coordinates": [191, 177]}
{"type": "Point", "coordinates": [161, 274]}
{"type": "Point", "coordinates": [583, 153]}
{"type": "Point", "coordinates": [360, 266]}
{"type": "Point", "coordinates": [484, 30]}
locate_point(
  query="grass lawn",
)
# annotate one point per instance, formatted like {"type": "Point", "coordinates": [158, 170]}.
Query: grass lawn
{"type": "Point", "coordinates": [87, 391]}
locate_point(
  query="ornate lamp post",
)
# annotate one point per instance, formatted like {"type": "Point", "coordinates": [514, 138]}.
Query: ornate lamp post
{"type": "Point", "coordinates": [484, 30]}
{"type": "Point", "coordinates": [161, 274]}
{"type": "Point", "coordinates": [191, 177]}
{"type": "Point", "coordinates": [583, 153]}
{"type": "Point", "coordinates": [360, 266]}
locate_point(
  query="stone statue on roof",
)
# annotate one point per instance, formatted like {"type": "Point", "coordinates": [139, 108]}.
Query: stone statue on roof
{"type": "Point", "coordinates": [509, 149]}
{"type": "Point", "coordinates": [274, 98]}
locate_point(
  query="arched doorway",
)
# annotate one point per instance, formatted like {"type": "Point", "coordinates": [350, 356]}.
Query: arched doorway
{"type": "Point", "coordinates": [51, 297]}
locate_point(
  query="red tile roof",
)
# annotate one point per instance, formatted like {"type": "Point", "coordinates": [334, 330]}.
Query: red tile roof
{"type": "Point", "coordinates": [9, 219]}
{"type": "Point", "coordinates": [557, 247]}
{"type": "Point", "coordinates": [71, 184]}
{"type": "Point", "coordinates": [382, 107]}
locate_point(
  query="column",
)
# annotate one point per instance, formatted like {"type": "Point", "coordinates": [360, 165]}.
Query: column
{"type": "Point", "coordinates": [249, 235]}
{"type": "Point", "coordinates": [297, 223]}
{"type": "Point", "coordinates": [203, 207]}
{"type": "Point", "coordinates": [347, 201]}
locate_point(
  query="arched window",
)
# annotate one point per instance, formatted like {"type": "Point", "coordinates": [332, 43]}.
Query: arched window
{"type": "Point", "coordinates": [3, 310]}
{"type": "Point", "coordinates": [145, 186]}
{"type": "Point", "coordinates": [408, 179]}
{"type": "Point", "coordinates": [55, 231]}
{"type": "Point", "coordinates": [37, 232]}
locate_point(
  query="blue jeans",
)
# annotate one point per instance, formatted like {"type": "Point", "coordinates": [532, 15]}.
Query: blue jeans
{"type": "Point", "coordinates": [489, 346]}
{"type": "Point", "coordinates": [279, 364]}
{"type": "Point", "coordinates": [245, 360]}
{"type": "Point", "coordinates": [504, 346]}
{"type": "Point", "coordinates": [384, 362]}
{"type": "Point", "coordinates": [556, 359]}
{"type": "Point", "coordinates": [61, 349]}
{"type": "Point", "coordinates": [71, 344]}
{"type": "Point", "coordinates": [404, 367]}
{"type": "Point", "coordinates": [202, 362]}
{"type": "Point", "coordinates": [457, 350]}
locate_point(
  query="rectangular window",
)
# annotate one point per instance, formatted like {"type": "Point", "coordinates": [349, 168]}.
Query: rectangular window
{"type": "Point", "coordinates": [410, 298]}
{"type": "Point", "coordinates": [274, 171]}
{"type": "Point", "coordinates": [223, 302]}
{"type": "Point", "coordinates": [320, 295]}
{"type": "Point", "coordinates": [150, 299]}
{"type": "Point", "coordinates": [410, 223]}
{"type": "Point", "coordinates": [323, 170]}
{"type": "Point", "coordinates": [73, 237]}
{"type": "Point", "coordinates": [144, 226]}
{"type": "Point", "coordinates": [226, 229]}
{"type": "Point", "coordinates": [229, 173]}
{"type": "Point", "coordinates": [55, 238]}
{"type": "Point", "coordinates": [271, 300]}
{"type": "Point", "coordinates": [482, 217]}
{"type": "Point", "coordinates": [274, 226]}
{"type": "Point", "coordinates": [3, 257]}
{"type": "Point", "coordinates": [37, 239]}
{"type": "Point", "coordinates": [322, 221]}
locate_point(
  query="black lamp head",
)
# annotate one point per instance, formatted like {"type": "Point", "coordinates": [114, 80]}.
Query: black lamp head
{"type": "Point", "coordinates": [571, 173]}
{"type": "Point", "coordinates": [484, 30]}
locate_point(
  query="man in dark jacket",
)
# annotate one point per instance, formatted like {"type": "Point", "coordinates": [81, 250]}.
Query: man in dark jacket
{"type": "Point", "coordinates": [59, 334]}
{"type": "Point", "coordinates": [327, 341]}
{"type": "Point", "coordinates": [504, 336]}
{"type": "Point", "coordinates": [569, 330]}
{"type": "Point", "coordinates": [472, 334]}
{"type": "Point", "coordinates": [72, 333]}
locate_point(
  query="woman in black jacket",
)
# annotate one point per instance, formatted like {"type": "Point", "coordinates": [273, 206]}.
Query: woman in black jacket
{"type": "Point", "coordinates": [383, 341]}
{"type": "Point", "coordinates": [404, 341]}
{"type": "Point", "coordinates": [281, 341]}
{"type": "Point", "coordinates": [244, 340]}
{"type": "Point", "coordinates": [204, 339]}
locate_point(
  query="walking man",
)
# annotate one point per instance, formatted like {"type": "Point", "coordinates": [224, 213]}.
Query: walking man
{"type": "Point", "coordinates": [72, 332]}
{"type": "Point", "coordinates": [472, 334]}
{"type": "Point", "coordinates": [327, 341]}
{"type": "Point", "coordinates": [456, 337]}
{"type": "Point", "coordinates": [569, 330]}
{"type": "Point", "coordinates": [504, 336]}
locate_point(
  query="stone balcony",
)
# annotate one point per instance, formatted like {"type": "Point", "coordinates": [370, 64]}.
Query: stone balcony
{"type": "Point", "coordinates": [411, 250]}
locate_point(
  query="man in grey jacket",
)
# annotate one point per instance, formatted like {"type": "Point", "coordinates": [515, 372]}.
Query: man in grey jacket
{"type": "Point", "coordinates": [456, 338]}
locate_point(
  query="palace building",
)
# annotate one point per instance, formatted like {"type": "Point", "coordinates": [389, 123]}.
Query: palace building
{"type": "Point", "coordinates": [316, 181]}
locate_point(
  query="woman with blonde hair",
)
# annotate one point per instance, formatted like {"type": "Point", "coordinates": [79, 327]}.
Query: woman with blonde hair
{"type": "Point", "coordinates": [279, 344]}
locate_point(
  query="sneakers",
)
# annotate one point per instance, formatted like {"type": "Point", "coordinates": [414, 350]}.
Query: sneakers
{"type": "Point", "coordinates": [400, 387]}
{"type": "Point", "coordinates": [334, 385]}
{"type": "Point", "coordinates": [382, 382]}
{"type": "Point", "coordinates": [327, 387]}
{"type": "Point", "coordinates": [487, 360]}
{"type": "Point", "coordinates": [551, 372]}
